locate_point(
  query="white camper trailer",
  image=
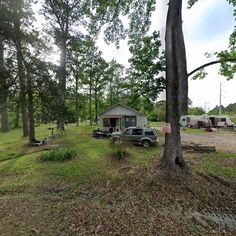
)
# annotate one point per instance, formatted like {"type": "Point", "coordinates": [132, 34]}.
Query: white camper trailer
{"type": "Point", "coordinates": [221, 121]}
{"type": "Point", "coordinates": [194, 121]}
{"type": "Point", "coordinates": [206, 121]}
{"type": "Point", "coordinates": [185, 120]}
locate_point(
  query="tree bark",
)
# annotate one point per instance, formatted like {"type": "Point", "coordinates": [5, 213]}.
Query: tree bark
{"type": "Point", "coordinates": [96, 106]}
{"type": "Point", "coordinates": [17, 114]}
{"type": "Point", "coordinates": [76, 100]}
{"type": "Point", "coordinates": [30, 109]}
{"type": "Point", "coordinates": [62, 86]}
{"type": "Point", "coordinates": [23, 98]}
{"type": "Point", "coordinates": [111, 92]}
{"type": "Point", "coordinates": [3, 90]}
{"type": "Point", "coordinates": [22, 80]}
{"type": "Point", "coordinates": [177, 87]}
{"type": "Point", "coordinates": [4, 113]}
{"type": "Point", "coordinates": [90, 100]}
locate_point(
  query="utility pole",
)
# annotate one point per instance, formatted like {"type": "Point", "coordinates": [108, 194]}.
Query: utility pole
{"type": "Point", "coordinates": [220, 101]}
{"type": "Point", "coordinates": [206, 107]}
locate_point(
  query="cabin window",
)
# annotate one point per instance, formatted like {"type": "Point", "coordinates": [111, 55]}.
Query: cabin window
{"type": "Point", "coordinates": [223, 119]}
{"type": "Point", "coordinates": [106, 122]}
{"type": "Point", "coordinates": [130, 121]}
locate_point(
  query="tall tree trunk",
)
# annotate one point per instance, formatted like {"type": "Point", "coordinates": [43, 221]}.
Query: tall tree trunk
{"type": "Point", "coordinates": [3, 90]}
{"type": "Point", "coordinates": [4, 113]}
{"type": "Point", "coordinates": [177, 87]}
{"type": "Point", "coordinates": [96, 105]}
{"type": "Point", "coordinates": [76, 100]}
{"type": "Point", "coordinates": [90, 100]}
{"type": "Point", "coordinates": [23, 98]}
{"type": "Point", "coordinates": [117, 95]}
{"type": "Point", "coordinates": [111, 92]}
{"type": "Point", "coordinates": [17, 114]}
{"type": "Point", "coordinates": [30, 109]}
{"type": "Point", "coordinates": [62, 86]}
{"type": "Point", "coordinates": [21, 72]}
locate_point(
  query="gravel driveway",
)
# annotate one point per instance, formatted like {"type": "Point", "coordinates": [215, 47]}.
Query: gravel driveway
{"type": "Point", "coordinates": [222, 140]}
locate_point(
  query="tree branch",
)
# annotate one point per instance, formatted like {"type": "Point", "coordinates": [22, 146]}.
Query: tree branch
{"type": "Point", "coordinates": [209, 64]}
{"type": "Point", "coordinates": [140, 93]}
{"type": "Point", "coordinates": [116, 10]}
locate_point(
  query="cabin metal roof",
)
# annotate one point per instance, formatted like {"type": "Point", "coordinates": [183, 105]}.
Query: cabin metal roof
{"type": "Point", "coordinates": [119, 104]}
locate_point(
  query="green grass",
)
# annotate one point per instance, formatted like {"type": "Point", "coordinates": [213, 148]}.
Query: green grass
{"type": "Point", "coordinates": [156, 125]}
{"type": "Point", "coordinates": [94, 162]}
{"type": "Point", "coordinates": [219, 163]}
{"type": "Point", "coordinates": [193, 131]}
{"type": "Point", "coordinates": [52, 195]}
{"type": "Point", "coordinates": [12, 144]}
{"type": "Point", "coordinates": [59, 154]}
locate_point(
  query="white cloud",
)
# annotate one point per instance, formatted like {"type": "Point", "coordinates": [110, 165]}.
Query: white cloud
{"type": "Point", "coordinates": [206, 91]}
{"type": "Point", "coordinates": [121, 54]}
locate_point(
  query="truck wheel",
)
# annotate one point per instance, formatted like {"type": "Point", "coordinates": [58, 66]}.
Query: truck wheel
{"type": "Point", "coordinates": [146, 143]}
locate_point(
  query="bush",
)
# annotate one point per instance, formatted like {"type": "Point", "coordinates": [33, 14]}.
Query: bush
{"type": "Point", "coordinates": [60, 154]}
{"type": "Point", "coordinates": [119, 150]}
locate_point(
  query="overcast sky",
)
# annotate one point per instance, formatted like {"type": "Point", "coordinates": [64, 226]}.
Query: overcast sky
{"type": "Point", "coordinates": [207, 27]}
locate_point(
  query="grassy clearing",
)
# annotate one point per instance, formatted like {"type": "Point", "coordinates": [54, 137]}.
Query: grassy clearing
{"type": "Point", "coordinates": [94, 193]}
{"type": "Point", "coordinates": [93, 161]}
{"type": "Point", "coordinates": [221, 163]}
{"type": "Point", "coordinates": [12, 144]}
{"type": "Point", "coordinates": [193, 131]}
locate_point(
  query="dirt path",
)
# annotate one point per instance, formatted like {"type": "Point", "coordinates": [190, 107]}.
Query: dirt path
{"type": "Point", "coordinates": [222, 140]}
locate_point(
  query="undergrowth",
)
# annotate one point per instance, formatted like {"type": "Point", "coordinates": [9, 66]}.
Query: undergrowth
{"type": "Point", "coordinates": [119, 150]}
{"type": "Point", "coordinates": [60, 154]}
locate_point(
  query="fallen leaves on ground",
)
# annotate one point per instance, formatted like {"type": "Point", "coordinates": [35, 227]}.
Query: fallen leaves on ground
{"type": "Point", "coordinates": [142, 201]}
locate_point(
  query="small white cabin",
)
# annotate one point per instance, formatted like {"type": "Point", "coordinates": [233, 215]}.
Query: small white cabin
{"type": "Point", "coordinates": [119, 117]}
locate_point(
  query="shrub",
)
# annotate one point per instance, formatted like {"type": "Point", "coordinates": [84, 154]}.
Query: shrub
{"type": "Point", "coordinates": [59, 154]}
{"type": "Point", "coordinates": [119, 150]}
